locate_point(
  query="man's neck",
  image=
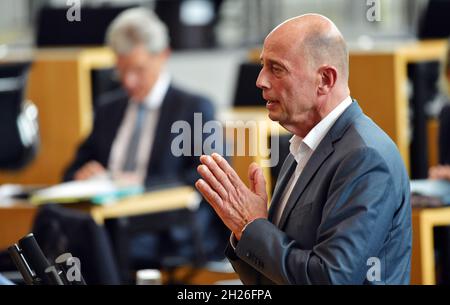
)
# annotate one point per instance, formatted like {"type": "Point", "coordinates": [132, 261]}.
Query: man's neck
{"type": "Point", "coordinates": [328, 105]}
{"type": "Point", "coordinates": [317, 115]}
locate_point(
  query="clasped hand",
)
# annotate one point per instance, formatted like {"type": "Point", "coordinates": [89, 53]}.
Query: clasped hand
{"type": "Point", "coordinates": [235, 203]}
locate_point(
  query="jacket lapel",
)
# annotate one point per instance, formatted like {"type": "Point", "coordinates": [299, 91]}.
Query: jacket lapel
{"type": "Point", "coordinates": [286, 173]}
{"type": "Point", "coordinates": [325, 148]}
{"type": "Point", "coordinates": [308, 172]}
{"type": "Point", "coordinates": [162, 131]}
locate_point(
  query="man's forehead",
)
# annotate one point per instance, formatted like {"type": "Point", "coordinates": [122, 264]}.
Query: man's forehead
{"type": "Point", "coordinates": [277, 50]}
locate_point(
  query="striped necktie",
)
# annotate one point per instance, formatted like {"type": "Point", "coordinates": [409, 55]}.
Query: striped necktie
{"type": "Point", "coordinates": [133, 145]}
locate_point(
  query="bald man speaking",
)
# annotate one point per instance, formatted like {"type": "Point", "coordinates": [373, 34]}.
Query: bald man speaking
{"type": "Point", "coordinates": [340, 212]}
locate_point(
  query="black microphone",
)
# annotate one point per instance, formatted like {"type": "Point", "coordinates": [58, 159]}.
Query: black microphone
{"type": "Point", "coordinates": [36, 270]}
{"type": "Point", "coordinates": [36, 258]}
{"type": "Point", "coordinates": [22, 265]}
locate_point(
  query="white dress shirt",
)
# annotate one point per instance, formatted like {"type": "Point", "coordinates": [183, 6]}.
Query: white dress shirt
{"type": "Point", "coordinates": [302, 150]}
{"type": "Point", "coordinates": [119, 148]}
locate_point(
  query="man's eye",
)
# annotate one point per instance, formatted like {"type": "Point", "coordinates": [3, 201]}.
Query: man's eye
{"type": "Point", "coordinates": [276, 69]}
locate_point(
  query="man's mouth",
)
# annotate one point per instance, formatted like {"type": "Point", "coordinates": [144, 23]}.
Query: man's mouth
{"type": "Point", "coordinates": [271, 103]}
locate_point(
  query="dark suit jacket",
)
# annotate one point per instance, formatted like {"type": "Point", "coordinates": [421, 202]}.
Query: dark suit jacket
{"type": "Point", "coordinates": [350, 203]}
{"type": "Point", "coordinates": [163, 166]}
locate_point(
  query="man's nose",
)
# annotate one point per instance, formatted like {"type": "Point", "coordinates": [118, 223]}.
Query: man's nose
{"type": "Point", "coordinates": [129, 81]}
{"type": "Point", "coordinates": [262, 81]}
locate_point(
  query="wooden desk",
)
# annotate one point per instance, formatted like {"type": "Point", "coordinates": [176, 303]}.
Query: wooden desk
{"type": "Point", "coordinates": [60, 86]}
{"type": "Point", "coordinates": [17, 218]}
{"type": "Point", "coordinates": [150, 203]}
{"type": "Point", "coordinates": [433, 142]}
{"type": "Point", "coordinates": [199, 276]}
{"type": "Point", "coordinates": [423, 262]}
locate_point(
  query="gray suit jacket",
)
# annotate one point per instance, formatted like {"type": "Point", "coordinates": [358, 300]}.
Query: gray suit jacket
{"type": "Point", "coordinates": [347, 221]}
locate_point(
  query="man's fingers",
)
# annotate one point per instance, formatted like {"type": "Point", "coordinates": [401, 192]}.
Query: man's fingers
{"type": "Point", "coordinates": [83, 173]}
{"type": "Point", "coordinates": [225, 167]}
{"type": "Point", "coordinates": [251, 176]}
{"type": "Point", "coordinates": [257, 180]}
{"type": "Point", "coordinates": [432, 173]}
{"type": "Point", "coordinates": [95, 167]}
{"type": "Point", "coordinates": [221, 176]}
{"type": "Point", "coordinates": [88, 170]}
{"type": "Point", "coordinates": [80, 175]}
{"type": "Point", "coordinates": [204, 171]}
{"type": "Point", "coordinates": [209, 194]}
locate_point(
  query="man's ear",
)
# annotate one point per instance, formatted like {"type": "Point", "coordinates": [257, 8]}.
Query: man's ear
{"type": "Point", "coordinates": [327, 79]}
{"type": "Point", "coordinates": [166, 53]}
{"type": "Point", "coordinates": [162, 56]}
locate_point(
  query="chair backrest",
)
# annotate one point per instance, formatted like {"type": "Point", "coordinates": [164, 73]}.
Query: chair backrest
{"type": "Point", "coordinates": [18, 118]}
{"type": "Point", "coordinates": [63, 230]}
{"type": "Point", "coordinates": [246, 92]}
{"type": "Point", "coordinates": [53, 29]}
{"type": "Point", "coordinates": [188, 30]}
{"type": "Point", "coordinates": [434, 22]}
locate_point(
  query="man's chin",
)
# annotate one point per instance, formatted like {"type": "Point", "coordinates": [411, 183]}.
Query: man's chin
{"type": "Point", "coordinates": [274, 116]}
{"type": "Point", "coordinates": [137, 98]}
{"type": "Point", "coordinates": [136, 95]}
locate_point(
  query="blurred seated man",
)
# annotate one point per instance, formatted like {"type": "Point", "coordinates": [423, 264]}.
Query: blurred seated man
{"type": "Point", "coordinates": [442, 171]}
{"type": "Point", "coordinates": [131, 137]}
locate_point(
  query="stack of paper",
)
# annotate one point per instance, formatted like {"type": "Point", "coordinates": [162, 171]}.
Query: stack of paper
{"type": "Point", "coordinates": [439, 189]}
{"type": "Point", "coordinates": [97, 191]}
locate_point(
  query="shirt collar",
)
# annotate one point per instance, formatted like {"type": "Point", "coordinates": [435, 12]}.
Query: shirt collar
{"type": "Point", "coordinates": [155, 97]}
{"type": "Point", "coordinates": [297, 147]}
{"type": "Point", "coordinates": [318, 132]}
